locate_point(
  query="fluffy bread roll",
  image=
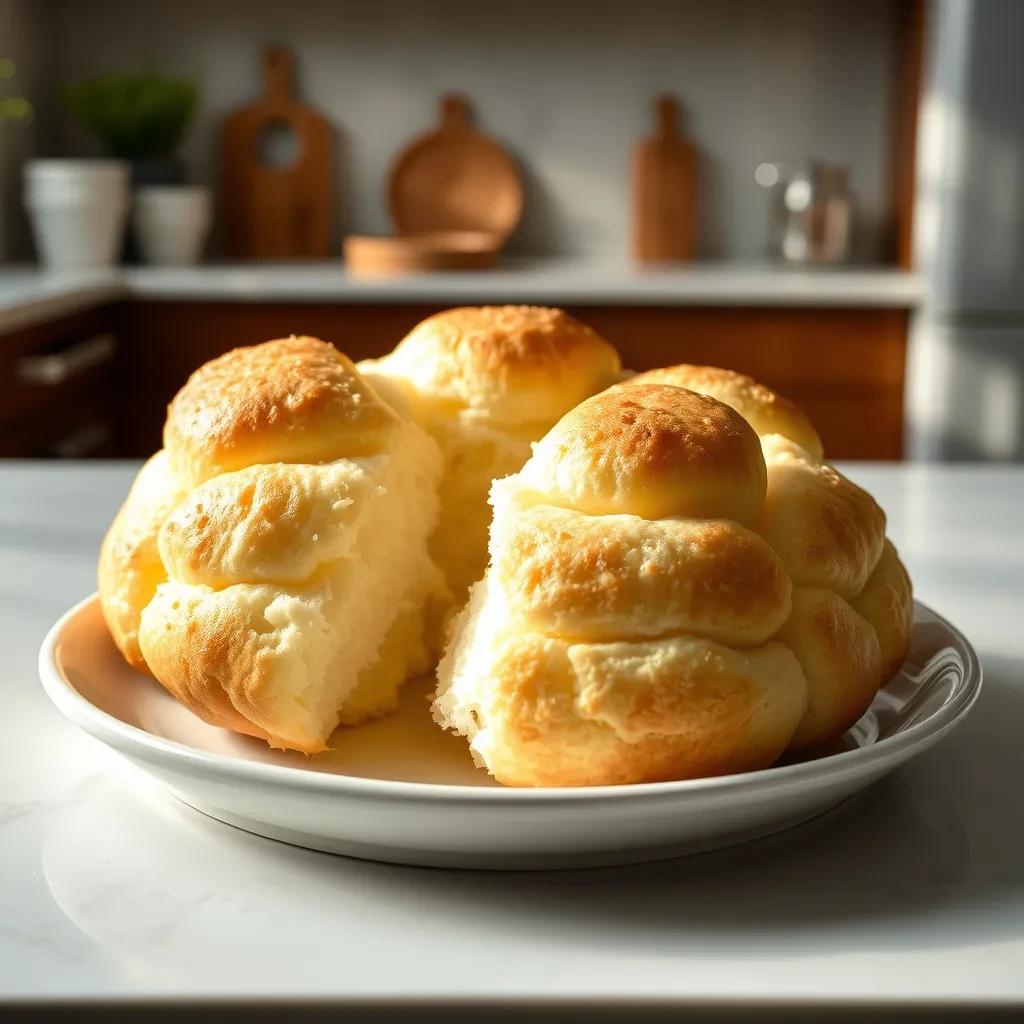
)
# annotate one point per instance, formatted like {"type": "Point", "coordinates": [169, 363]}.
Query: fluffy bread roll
{"type": "Point", "coordinates": [624, 577]}
{"type": "Point", "coordinates": [670, 595]}
{"type": "Point", "coordinates": [544, 711]}
{"type": "Point", "coordinates": [130, 568]}
{"type": "Point", "coordinates": [655, 452]}
{"type": "Point", "coordinates": [829, 531]}
{"type": "Point", "coordinates": [887, 602]}
{"type": "Point", "coordinates": [607, 645]}
{"type": "Point", "coordinates": [270, 566]}
{"type": "Point", "coordinates": [840, 655]}
{"type": "Point", "coordinates": [295, 400]}
{"type": "Point", "coordinates": [830, 536]}
{"type": "Point", "coordinates": [766, 411]}
{"type": "Point", "coordinates": [486, 382]}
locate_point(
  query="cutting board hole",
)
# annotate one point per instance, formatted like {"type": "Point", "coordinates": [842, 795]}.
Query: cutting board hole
{"type": "Point", "coordinates": [278, 146]}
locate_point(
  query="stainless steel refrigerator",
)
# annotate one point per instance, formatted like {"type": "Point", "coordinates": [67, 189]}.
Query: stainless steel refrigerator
{"type": "Point", "coordinates": [966, 373]}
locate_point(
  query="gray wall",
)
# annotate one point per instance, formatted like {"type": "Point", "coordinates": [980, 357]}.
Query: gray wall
{"type": "Point", "coordinates": [565, 83]}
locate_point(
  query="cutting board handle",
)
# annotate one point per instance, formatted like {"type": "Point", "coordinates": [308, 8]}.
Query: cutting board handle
{"type": "Point", "coordinates": [277, 73]}
{"type": "Point", "coordinates": [666, 117]}
{"type": "Point", "coordinates": [454, 112]}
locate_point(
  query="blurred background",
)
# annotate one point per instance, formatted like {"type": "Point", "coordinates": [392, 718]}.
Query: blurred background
{"type": "Point", "coordinates": [828, 196]}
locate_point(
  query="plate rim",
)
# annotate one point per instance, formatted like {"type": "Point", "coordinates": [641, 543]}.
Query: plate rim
{"type": "Point", "coordinates": [128, 739]}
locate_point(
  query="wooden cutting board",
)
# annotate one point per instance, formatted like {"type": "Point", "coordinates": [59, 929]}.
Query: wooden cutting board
{"type": "Point", "coordinates": [277, 212]}
{"type": "Point", "coordinates": [455, 178]}
{"type": "Point", "coordinates": [397, 255]}
{"type": "Point", "coordinates": [665, 190]}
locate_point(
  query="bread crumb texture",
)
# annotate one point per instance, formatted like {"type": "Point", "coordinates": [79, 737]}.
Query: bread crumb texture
{"type": "Point", "coordinates": [659, 577]}
{"type": "Point", "coordinates": [486, 382]}
{"type": "Point", "coordinates": [679, 586]}
{"type": "Point", "coordinates": [270, 566]}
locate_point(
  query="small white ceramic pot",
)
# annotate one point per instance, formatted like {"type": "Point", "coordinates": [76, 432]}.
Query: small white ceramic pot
{"type": "Point", "coordinates": [78, 210]}
{"type": "Point", "coordinates": [171, 223]}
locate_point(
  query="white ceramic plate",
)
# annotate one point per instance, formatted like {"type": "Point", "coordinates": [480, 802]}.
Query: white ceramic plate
{"type": "Point", "coordinates": [401, 790]}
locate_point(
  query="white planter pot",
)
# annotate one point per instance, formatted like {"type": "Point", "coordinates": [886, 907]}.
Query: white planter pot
{"type": "Point", "coordinates": [77, 209]}
{"type": "Point", "coordinates": [171, 223]}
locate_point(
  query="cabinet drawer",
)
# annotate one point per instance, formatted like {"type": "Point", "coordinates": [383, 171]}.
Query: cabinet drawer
{"type": "Point", "coordinates": [83, 426]}
{"type": "Point", "coordinates": [845, 366]}
{"type": "Point", "coordinates": [44, 368]}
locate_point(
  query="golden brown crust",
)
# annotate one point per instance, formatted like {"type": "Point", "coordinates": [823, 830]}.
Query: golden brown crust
{"type": "Point", "coordinates": [241, 640]}
{"type": "Point", "coordinates": [887, 602]}
{"type": "Point", "coordinates": [130, 568]}
{"type": "Point", "coordinates": [632, 626]}
{"type": "Point", "coordinates": [589, 655]}
{"type": "Point", "coordinates": [486, 382]}
{"type": "Point", "coordinates": [839, 653]}
{"type": "Point", "coordinates": [629, 628]}
{"type": "Point", "coordinates": [264, 596]}
{"type": "Point", "coordinates": [827, 530]}
{"type": "Point", "coordinates": [202, 645]}
{"type": "Point", "coordinates": [765, 410]}
{"type": "Point", "coordinates": [602, 578]}
{"type": "Point", "coordinates": [293, 400]}
{"type": "Point", "coordinates": [511, 364]}
{"type": "Point", "coordinates": [651, 450]}
{"type": "Point", "coordinates": [273, 523]}
{"type": "Point", "coordinates": [560, 714]}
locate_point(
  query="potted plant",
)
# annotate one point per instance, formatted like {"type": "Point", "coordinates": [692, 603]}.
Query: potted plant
{"type": "Point", "coordinates": [142, 118]}
{"type": "Point", "coordinates": [138, 117]}
{"type": "Point", "coordinates": [76, 207]}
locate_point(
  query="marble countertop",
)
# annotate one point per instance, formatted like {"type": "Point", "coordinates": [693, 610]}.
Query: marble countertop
{"type": "Point", "coordinates": [911, 894]}
{"type": "Point", "coordinates": [28, 296]}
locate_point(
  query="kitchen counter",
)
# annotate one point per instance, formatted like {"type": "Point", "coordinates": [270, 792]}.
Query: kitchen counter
{"type": "Point", "coordinates": [913, 893]}
{"type": "Point", "coordinates": [28, 296]}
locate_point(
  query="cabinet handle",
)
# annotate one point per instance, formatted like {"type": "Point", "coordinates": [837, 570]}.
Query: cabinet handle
{"type": "Point", "coordinates": [80, 442]}
{"type": "Point", "coordinates": [53, 368]}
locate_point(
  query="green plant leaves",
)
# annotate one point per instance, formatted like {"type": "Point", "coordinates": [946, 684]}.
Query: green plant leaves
{"type": "Point", "coordinates": [134, 116]}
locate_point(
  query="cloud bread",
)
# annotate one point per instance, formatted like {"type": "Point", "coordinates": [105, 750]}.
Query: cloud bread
{"type": "Point", "coordinates": [765, 411]}
{"type": "Point", "coordinates": [550, 695]}
{"type": "Point", "coordinates": [543, 711]}
{"type": "Point", "coordinates": [828, 531]}
{"type": "Point", "coordinates": [645, 614]}
{"type": "Point", "coordinates": [130, 568]}
{"type": "Point", "coordinates": [609, 577]}
{"type": "Point", "coordinates": [486, 382]}
{"type": "Point", "coordinates": [655, 451]}
{"type": "Point", "coordinates": [887, 602]}
{"type": "Point", "coordinates": [296, 400]}
{"type": "Point", "coordinates": [288, 584]}
{"type": "Point", "coordinates": [830, 535]}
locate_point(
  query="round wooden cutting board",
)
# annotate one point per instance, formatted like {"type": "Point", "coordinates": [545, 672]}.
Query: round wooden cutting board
{"type": "Point", "coordinates": [455, 179]}
{"type": "Point", "coordinates": [395, 255]}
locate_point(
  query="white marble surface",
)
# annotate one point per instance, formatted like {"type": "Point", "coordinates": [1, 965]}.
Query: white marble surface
{"type": "Point", "coordinates": [914, 892]}
{"type": "Point", "coordinates": [557, 281]}
{"type": "Point", "coordinates": [28, 296]}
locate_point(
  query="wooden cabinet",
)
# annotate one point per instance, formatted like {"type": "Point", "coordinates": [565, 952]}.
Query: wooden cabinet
{"type": "Point", "coordinates": [98, 383]}
{"type": "Point", "coordinates": [56, 388]}
{"type": "Point", "coordinates": [844, 366]}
